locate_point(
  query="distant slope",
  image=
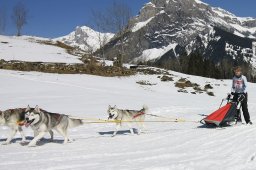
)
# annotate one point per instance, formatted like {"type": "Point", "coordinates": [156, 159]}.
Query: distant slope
{"type": "Point", "coordinates": [30, 49]}
{"type": "Point", "coordinates": [85, 38]}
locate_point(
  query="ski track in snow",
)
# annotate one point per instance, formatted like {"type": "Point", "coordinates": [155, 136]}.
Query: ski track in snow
{"type": "Point", "coordinates": [163, 145]}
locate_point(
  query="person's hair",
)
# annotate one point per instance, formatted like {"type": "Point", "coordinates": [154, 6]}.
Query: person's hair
{"type": "Point", "coordinates": [237, 68]}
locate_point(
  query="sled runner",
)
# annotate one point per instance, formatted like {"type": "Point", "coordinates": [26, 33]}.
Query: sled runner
{"type": "Point", "coordinates": [227, 115]}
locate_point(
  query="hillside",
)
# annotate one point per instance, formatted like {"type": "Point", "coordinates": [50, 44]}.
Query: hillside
{"type": "Point", "coordinates": [176, 146]}
{"type": "Point", "coordinates": [33, 49]}
{"type": "Point", "coordinates": [168, 33]}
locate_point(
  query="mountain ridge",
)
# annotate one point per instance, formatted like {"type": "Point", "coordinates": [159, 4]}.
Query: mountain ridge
{"type": "Point", "coordinates": [84, 38]}
{"type": "Point", "coordinates": [166, 30]}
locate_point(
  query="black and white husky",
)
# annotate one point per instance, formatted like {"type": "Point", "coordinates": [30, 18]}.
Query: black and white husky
{"type": "Point", "coordinates": [14, 119]}
{"type": "Point", "coordinates": [42, 122]}
{"type": "Point", "coordinates": [127, 116]}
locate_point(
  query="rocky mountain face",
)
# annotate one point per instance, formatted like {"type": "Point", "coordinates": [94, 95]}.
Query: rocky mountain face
{"type": "Point", "coordinates": [85, 38]}
{"type": "Point", "coordinates": [170, 33]}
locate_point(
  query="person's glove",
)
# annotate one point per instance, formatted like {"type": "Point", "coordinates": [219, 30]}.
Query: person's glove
{"type": "Point", "coordinates": [229, 96]}
{"type": "Point", "coordinates": [241, 97]}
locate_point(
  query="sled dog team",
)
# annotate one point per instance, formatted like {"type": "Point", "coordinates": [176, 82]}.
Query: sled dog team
{"type": "Point", "coordinates": [42, 122]}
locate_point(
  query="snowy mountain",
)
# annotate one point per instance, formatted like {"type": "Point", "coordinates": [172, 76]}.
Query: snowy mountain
{"type": "Point", "coordinates": [162, 146]}
{"type": "Point", "coordinates": [34, 49]}
{"type": "Point", "coordinates": [167, 30]}
{"type": "Point", "coordinates": [85, 38]}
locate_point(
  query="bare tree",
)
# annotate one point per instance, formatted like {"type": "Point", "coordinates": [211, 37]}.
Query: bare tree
{"type": "Point", "coordinates": [89, 47]}
{"type": "Point", "coordinates": [119, 15]}
{"type": "Point", "coordinates": [99, 19]}
{"type": "Point", "coordinates": [2, 19]}
{"type": "Point", "coordinates": [113, 19]}
{"type": "Point", "coordinates": [19, 16]}
{"type": "Point", "coordinates": [254, 48]}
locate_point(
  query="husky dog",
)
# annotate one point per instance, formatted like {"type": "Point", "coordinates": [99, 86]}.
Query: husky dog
{"type": "Point", "coordinates": [14, 118]}
{"type": "Point", "coordinates": [129, 116]}
{"type": "Point", "coordinates": [42, 121]}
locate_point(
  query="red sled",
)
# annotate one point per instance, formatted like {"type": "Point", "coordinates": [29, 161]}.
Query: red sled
{"type": "Point", "coordinates": [222, 116]}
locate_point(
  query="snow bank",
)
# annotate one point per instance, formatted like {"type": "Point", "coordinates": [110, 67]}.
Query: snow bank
{"type": "Point", "coordinates": [140, 25]}
{"type": "Point", "coordinates": [27, 49]}
{"type": "Point", "coordinates": [200, 2]}
{"type": "Point", "coordinates": [155, 53]}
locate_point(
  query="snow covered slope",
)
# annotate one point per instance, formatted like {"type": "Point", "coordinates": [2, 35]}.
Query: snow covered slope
{"type": "Point", "coordinates": [27, 48]}
{"type": "Point", "coordinates": [167, 146]}
{"type": "Point", "coordinates": [85, 38]}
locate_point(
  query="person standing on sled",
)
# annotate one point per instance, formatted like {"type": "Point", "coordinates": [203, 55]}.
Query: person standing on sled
{"type": "Point", "coordinates": [239, 87]}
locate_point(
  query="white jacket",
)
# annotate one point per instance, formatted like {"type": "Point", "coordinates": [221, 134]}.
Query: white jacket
{"type": "Point", "coordinates": [239, 84]}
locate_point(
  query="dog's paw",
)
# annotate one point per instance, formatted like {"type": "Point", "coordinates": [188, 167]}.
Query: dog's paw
{"type": "Point", "coordinates": [24, 143]}
{"type": "Point", "coordinates": [5, 143]}
{"type": "Point", "coordinates": [31, 145]}
{"type": "Point", "coordinates": [71, 140]}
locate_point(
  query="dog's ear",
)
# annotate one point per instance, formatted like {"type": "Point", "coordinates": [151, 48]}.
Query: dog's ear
{"type": "Point", "coordinates": [109, 107]}
{"type": "Point", "coordinates": [28, 108]}
{"type": "Point", "coordinates": [115, 107]}
{"type": "Point", "coordinates": [37, 109]}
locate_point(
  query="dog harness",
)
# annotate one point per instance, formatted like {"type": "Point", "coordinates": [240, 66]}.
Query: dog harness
{"type": "Point", "coordinates": [57, 118]}
{"type": "Point", "coordinates": [138, 115]}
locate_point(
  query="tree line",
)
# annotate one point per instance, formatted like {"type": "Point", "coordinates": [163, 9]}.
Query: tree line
{"type": "Point", "coordinates": [19, 16]}
{"type": "Point", "coordinates": [197, 64]}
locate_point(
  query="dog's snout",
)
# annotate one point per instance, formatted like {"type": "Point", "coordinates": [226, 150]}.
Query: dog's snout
{"type": "Point", "coordinates": [27, 119]}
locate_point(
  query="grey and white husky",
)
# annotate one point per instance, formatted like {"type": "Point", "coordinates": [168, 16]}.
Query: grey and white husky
{"type": "Point", "coordinates": [127, 116]}
{"type": "Point", "coordinates": [42, 122]}
{"type": "Point", "coordinates": [14, 118]}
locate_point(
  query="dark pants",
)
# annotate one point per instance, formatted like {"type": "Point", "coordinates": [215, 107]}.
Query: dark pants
{"type": "Point", "coordinates": [244, 106]}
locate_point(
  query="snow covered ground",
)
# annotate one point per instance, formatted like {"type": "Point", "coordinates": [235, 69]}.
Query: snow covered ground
{"type": "Point", "coordinates": [163, 146]}
{"type": "Point", "coordinates": [155, 53]}
{"type": "Point", "coordinates": [26, 48]}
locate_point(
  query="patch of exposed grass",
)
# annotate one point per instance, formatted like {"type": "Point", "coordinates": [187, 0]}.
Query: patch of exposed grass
{"type": "Point", "coordinates": [182, 91]}
{"type": "Point", "coordinates": [166, 78]}
{"type": "Point", "coordinates": [63, 68]}
{"type": "Point", "coordinates": [152, 71]}
{"type": "Point", "coordinates": [208, 86]}
{"type": "Point", "coordinates": [210, 93]}
{"type": "Point", "coordinates": [145, 83]}
{"type": "Point", "coordinates": [183, 83]}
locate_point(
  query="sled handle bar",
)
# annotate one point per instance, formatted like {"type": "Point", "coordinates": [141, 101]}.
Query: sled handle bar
{"type": "Point", "coordinates": [201, 121]}
{"type": "Point", "coordinates": [222, 102]}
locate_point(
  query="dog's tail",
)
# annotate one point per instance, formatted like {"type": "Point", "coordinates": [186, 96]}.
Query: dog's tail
{"type": "Point", "coordinates": [74, 122]}
{"type": "Point", "coordinates": [145, 109]}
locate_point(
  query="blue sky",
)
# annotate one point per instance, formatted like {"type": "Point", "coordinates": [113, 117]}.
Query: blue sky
{"type": "Point", "coordinates": [54, 18]}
